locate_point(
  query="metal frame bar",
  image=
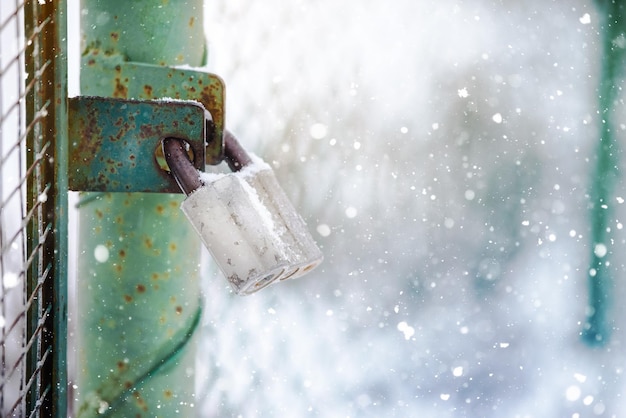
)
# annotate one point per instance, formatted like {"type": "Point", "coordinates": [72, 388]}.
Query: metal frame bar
{"type": "Point", "coordinates": [46, 109]}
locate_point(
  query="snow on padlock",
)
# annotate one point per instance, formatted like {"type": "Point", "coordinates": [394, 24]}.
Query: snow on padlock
{"type": "Point", "coordinates": [304, 253]}
{"type": "Point", "coordinates": [244, 218]}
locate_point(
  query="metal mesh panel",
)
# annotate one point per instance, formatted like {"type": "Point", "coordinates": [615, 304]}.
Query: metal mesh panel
{"type": "Point", "coordinates": [29, 379]}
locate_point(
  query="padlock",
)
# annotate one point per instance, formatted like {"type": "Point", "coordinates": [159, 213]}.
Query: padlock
{"type": "Point", "coordinates": [244, 218]}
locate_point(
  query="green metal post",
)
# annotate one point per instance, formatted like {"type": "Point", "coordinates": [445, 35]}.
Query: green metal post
{"type": "Point", "coordinates": [597, 327]}
{"type": "Point", "coordinates": [137, 282]}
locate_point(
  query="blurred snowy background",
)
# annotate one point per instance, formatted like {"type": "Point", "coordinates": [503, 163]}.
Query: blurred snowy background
{"type": "Point", "coordinates": [441, 152]}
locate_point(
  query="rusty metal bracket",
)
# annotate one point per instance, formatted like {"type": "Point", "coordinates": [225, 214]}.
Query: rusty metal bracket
{"type": "Point", "coordinates": [113, 140]}
{"type": "Point", "coordinates": [113, 143]}
{"type": "Point", "coordinates": [109, 75]}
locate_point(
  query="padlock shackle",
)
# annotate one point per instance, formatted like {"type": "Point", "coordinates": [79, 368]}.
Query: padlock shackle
{"type": "Point", "coordinates": [186, 174]}
{"type": "Point", "coordinates": [234, 154]}
{"type": "Point", "coordinates": [182, 169]}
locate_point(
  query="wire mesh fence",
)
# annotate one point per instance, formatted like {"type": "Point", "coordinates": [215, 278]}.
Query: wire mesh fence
{"type": "Point", "coordinates": [31, 300]}
{"type": "Point", "coordinates": [12, 191]}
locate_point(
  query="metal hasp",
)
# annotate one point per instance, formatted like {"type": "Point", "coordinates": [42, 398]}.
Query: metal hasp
{"type": "Point", "coordinates": [138, 305]}
{"type": "Point", "coordinates": [113, 142]}
{"type": "Point", "coordinates": [108, 75]}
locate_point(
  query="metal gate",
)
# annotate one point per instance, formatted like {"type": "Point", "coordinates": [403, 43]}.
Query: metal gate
{"type": "Point", "coordinates": [33, 208]}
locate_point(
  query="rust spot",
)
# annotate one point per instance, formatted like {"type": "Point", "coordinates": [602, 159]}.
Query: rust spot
{"type": "Point", "coordinates": [119, 220]}
{"type": "Point", "coordinates": [155, 276]}
{"type": "Point", "coordinates": [115, 36]}
{"type": "Point", "coordinates": [122, 253]}
{"type": "Point", "coordinates": [99, 213]}
{"type": "Point", "coordinates": [141, 288]}
{"type": "Point", "coordinates": [160, 209]}
{"type": "Point", "coordinates": [147, 131]}
{"type": "Point", "coordinates": [147, 89]}
{"type": "Point", "coordinates": [128, 384]}
{"type": "Point", "coordinates": [91, 62]}
{"type": "Point", "coordinates": [167, 393]}
{"type": "Point", "coordinates": [173, 246]}
{"type": "Point", "coordinates": [121, 91]}
{"type": "Point", "coordinates": [179, 310]}
{"type": "Point", "coordinates": [121, 365]}
{"type": "Point", "coordinates": [141, 403]}
{"type": "Point", "coordinates": [192, 21]}
{"type": "Point", "coordinates": [119, 268]}
{"type": "Point", "coordinates": [128, 298]}
{"type": "Point", "coordinates": [148, 243]}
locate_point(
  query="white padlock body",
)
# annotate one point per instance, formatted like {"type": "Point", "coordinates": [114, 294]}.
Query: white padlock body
{"type": "Point", "coordinates": [238, 232]}
{"type": "Point", "coordinates": [251, 228]}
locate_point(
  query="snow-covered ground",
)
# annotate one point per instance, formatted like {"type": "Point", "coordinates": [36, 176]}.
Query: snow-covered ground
{"type": "Point", "coordinates": [441, 151]}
